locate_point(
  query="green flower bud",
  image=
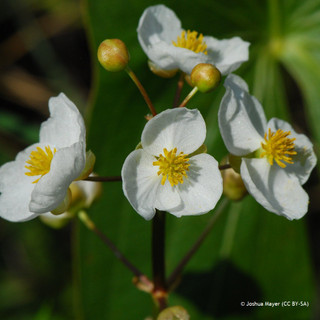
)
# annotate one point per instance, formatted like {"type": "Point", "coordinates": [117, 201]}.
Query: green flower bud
{"type": "Point", "coordinates": [113, 55]}
{"type": "Point", "coordinates": [233, 186]}
{"type": "Point", "coordinates": [160, 72]}
{"type": "Point", "coordinates": [205, 77]}
{"type": "Point", "coordinates": [174, 313]}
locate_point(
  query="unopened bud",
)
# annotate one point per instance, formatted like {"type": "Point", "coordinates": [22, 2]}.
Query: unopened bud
{"type": "Point", "coordinates": [161, 72]}
{"type": "Point", "coordinates": [205, 77]}
{"type": "Point", "coordinates": [174, 313]}
{"type": "Point", "coordinates": [113, 55]}
{"type": "Point", "coordinates": [233, 186]}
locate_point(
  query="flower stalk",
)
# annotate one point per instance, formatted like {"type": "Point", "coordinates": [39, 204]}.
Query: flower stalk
{"type": "Point", "coordinates": [158, 260]}
{"type": "Point", "coordinates": [211, 223]}
{"type": "Point", "coordinates": [103, 179]}
{"type": "Point", "coordinates": [225, 166]}
{"type": "Point", "coordinates": [188, 97]}
{"type": "Point", "coordinates": [85, 219]}
{"type": "Point", "coordinates": [142, 90]}
{"type": "Point", "coordinates": [178, 90]}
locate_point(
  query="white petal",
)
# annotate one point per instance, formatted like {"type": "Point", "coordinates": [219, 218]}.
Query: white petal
{"type": "Point", "coordinates": [140, 182]}
{"type": "Point", "coordinates": [242, 120]}
{"type": "Point", "coordinates": [66, 166]}
{"type": "Point", "coordinates": [162, 55]}
{"type": "Point", "coordinates": [157, 24]}
{"type": "Point", "coordinates": [16, 188]}
{"type": "Point", "coordinates": [305, 160]}
{"type": "Point", "coordinates": [56, 221]}
{"type": "Point", "coordinates": [179, 128]}
{"type": "Point", "coordinates": [65, 125]}
{"type": "Point", "coordinates": [158, 28]}
{"type": "Point", "coordinates": [167, 198]}
{"type": "Point", "coordinates": [274, 189]}
{"type": "Point", "coordinates": [168, 57]}
{"type": "Point", "coordinates": [202, 189]}
{"type": "Point", "coordinates": [142, 185]}
{"type": "Point", "coordinates": [228, 54]}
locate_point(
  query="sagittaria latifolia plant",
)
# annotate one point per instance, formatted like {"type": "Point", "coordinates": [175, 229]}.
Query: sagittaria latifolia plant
{"type": "Point", "coordinates": [170, 171]}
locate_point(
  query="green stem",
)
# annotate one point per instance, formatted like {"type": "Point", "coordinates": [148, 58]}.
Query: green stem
{"type": "Point", "coordinates": [274, 19]}
{"type": "Point", "coordinates": [158, 259]}
{"type": "Point", "coordinates": [76, 278]}
{"type": "Point", "coordinates": [142, 90]}
{"type": "Point", "coordinates": [178, 270]}
{"type": "Point", "coordinates": [118, 254]}
{"type": "Point", "coordinates": [188, 97]}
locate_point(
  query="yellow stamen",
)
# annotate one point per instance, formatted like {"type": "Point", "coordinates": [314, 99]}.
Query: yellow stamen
{"type": "Point", "coordinates": [190, 40]}
{"type": "Point", "coordinates": [172, 167]}
{"type": "Point", "coordinates": [278, 147]}
{"type": "Point", "coordinates": [40, 162]}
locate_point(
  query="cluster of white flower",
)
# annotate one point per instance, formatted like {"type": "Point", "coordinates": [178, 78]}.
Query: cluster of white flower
{"type": "Point", "coordinates": [170, 170]}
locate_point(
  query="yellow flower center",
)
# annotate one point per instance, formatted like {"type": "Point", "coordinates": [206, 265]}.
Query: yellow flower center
{"type": "Point", "coordinates": [172, 167]}
{"type": "Point", "coordinates": [190, 40]}
{"type": "Point", "coordinates": [39, 162]}
{"type": "Point", "coordinates": [278, 147]}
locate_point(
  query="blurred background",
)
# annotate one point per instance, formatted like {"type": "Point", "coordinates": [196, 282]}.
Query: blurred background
{"type": "Point", "coordinates": [48, 47]}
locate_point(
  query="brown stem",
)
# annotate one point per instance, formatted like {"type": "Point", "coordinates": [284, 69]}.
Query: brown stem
{"type": "Point", "coordinates": [142, 90]}
{"type": "Point", "coordinates": [118, 254]}
{"type": "Point", "coordinates": [158, 260]}
{"type": "Point", "coordinates": [178, 90]}
{"type": "Point", "coordinates": [177, 271]}
{"type": "Point", "coordinates": [103, 179]}
{"type": "Point", "coordinates": [225, 166]}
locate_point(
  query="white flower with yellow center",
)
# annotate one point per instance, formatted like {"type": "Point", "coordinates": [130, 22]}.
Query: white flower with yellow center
{"type": "Point", "coordinates": [276, 161]}
{"type": "Point", "coordinates": [167, 173]}
{"type": "Point", "coordinates": [170, 47]}
{"type": "Point", "coordinates": [38, 180]}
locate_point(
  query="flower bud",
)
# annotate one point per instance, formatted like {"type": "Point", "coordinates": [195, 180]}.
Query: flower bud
{"type": "Point", "coordinates": [113, 55]}
{"type": "Point", "coordinates": [205, 77]}
{"type": "Point", "coordinates": [233, 186]}
{"type": "Point", "coordinates": [172, 313]}
{"type": "Point", "coordinates": [160, 72]}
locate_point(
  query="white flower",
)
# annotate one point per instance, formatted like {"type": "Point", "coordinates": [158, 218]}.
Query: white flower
{"type": "Point", "coordinates": [170, 47]}
{"type": "Point", "coordinates": [276, 160]}
{"type": "Point", "coordinates": [165, 175]}
{"type": "Point", "coordinates": [37, 181]}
